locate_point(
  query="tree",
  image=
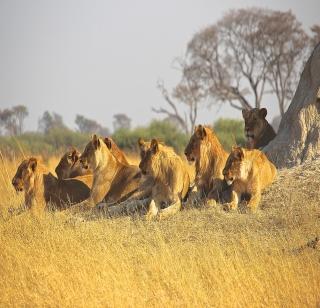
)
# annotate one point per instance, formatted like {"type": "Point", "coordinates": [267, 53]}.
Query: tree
{"type": "Point", "coordinates": [89, 126]}
{"type": "Point", "coordinates": [248, 53]}
{"type": "Point", "coordinates": [188, 92]}
{"type": "Point", "coordinates": [20, 112]}
{"type": "Point", "coordinates": [8, 122]}
{"type": "Point", "coordinates": [50, 121]}
{"type": "Point", "coordinates": [11, 120]}
{"type": "Point", "coordinates": [285, 47]}
{"type": "Point", "coordinates": [121, 121]}
{"type": "Point", "coordinates": [298, 138]}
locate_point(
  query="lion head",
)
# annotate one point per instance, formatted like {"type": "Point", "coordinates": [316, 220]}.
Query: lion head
{"type": "Point", "coordinates": [192, 151]}
{"type": "Point", "coordinates": [25, 175]}
{"type": "Point", "coordinates": [92, 153]}
{"type": "Point", "coordinates": [67, 162]}
{"type": "Point", "coordinates": [147, 157]}
{"type": "Point", "coordinates": [254, 122]}
{"type": "Point", "coordinates": [143, 147]}
{"type": "Point", "coordinates": [233, 168]}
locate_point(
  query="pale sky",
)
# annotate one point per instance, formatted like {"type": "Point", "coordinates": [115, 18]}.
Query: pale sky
{"type": "Point", "coordinates": [98, 58]}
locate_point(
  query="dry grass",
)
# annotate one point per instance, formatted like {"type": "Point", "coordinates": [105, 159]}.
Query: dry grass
{"type": "Point", "coordinates": [200, 257]}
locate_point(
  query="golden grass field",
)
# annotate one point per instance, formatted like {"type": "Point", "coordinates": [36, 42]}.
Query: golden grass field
{"type": "Point", "coordinates": [200, 257]}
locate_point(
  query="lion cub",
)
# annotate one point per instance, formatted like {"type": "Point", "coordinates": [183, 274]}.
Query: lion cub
{"type": "Point", "coordinates": [171, 179]}
{"type": "Point", "coordinates": [248, 172]}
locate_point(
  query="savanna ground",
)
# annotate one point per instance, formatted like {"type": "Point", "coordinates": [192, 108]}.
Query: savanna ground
{"type": "Point", "coordinates": [200, 257]}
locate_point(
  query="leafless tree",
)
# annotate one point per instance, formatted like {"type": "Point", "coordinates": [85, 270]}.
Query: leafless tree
{"type": "Point", "coordinates": [285, 49]}
{"type": "Point", "coordinates": [248, 53]}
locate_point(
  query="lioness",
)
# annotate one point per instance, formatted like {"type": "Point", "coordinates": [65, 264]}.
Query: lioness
{"type": "Point", "coordinates": [112, 180]}
{"type": "Point", "coordinates": [69, 165]}
{"type": "Point", "coordinates": [206, 151]}
{"type": "Point", "coordinates": [42, 188]}
{"type": "Point", "coordinates": [171, 179]}
{"type": "Point", "coordinates": [257, 129]}
{"type": "Point", "coordinates": [248, 172]}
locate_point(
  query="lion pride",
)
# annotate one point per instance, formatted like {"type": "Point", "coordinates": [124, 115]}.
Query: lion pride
{"type": "Point", "coordinates": [257, 129]}
{"type": "Point", "coordinates": [248, 172]}
{"type": "Point", "coordinates": [42, 189]}
{"type": "Point", "coordinates": [171, 179]}
{"type": "Point", "coordinates": [206, 151]}
{"type": "Point", "coordinates": [112, 179]}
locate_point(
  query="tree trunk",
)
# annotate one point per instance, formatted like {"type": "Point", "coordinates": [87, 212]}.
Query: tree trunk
{"type": "Point", "coordinates": [298, 138]}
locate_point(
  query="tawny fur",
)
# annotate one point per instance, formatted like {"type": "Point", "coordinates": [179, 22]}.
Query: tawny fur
{"type": "Point", "coordinates": [112, 180]}
{"type": "Point", "coordinates": [41, 188]}
{"type": "Point", "coordinates": [257, 129]}
{"type": "Point", "coordinates": [206, 151]}
{"type": "Point", "coordinates": [249, 172]}
{"type": "Point", "coordinates": [171, 179]}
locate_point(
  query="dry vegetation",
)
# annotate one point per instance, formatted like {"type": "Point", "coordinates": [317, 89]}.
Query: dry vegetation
{"type": "Point", "coordinates": [200, 257]}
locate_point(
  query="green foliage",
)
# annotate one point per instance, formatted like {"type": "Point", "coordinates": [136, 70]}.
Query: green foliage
{"type": "Point", "coordinates": [162, 130]}
{"type": "Point", "coordinates": [57, 140]}
{"type": "Point", "coordinates": [230, 132]}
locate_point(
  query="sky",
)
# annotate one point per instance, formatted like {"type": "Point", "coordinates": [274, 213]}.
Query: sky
{"type": "Point", "coordinates": [99, 58]}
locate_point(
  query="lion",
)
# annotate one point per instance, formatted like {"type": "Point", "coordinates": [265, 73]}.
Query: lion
{"type": "Point", "coordinates": [248, 172]}
{"type": "Point", "coordinates": [171, 179]}
{"type": "Point", "coordinates": [112, 179]}
{"type": "Point", "coordinates": [205, 149]}
{"type": "Point", "coordinates": [140, 198]}
{"type": "Point", "coordinates": [257, 129]}
{"type": "Point", "coordinates": [41, 188]}
{"type": "Point", "coordinates": [69, 165]}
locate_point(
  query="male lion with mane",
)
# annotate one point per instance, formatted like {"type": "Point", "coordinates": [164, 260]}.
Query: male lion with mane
{"type": "Point", "coordinates": [41, 188]}
{"type": "Point", "coordinates": [205, 149]}
{"type": "Point", "coordinates": [248, 172]}
{"type": "Point", "coordinates": [112, 179]}
{"type": "Point", "coordinates": [257, 129]}
{"type": "Point", "coordinates": [171, 179]}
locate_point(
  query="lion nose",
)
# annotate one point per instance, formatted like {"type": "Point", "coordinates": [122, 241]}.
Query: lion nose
{"type": "Point", "coordinates": [14, 182]}
{"type": "Point", "coordinates": [185, 153]}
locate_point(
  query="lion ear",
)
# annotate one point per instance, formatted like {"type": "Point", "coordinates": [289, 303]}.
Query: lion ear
{"type": "Point", "coordinates": [108, 142]}
{"type": "Point", "coordinates": [154, 145]}
{"type": "Point", "coordinates": [96, 141]}
{"type": "Point", "coordinates": [32, 164]}
{"type": "Point", "coordinates": [263, 113]}
{"type": "Point", "coordinates": [238, 153]}
{"type": "Point", "coordinates": [201, 131]}
{"type": "Point", "coordinates": [245, 113]}
{"type": "Point", "coordinates": [74, 155]}
{"type": "Point", "coordinates": [141, 142]}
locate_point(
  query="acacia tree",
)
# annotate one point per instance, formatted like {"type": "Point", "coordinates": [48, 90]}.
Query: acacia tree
{"type": "Point", "coordinates": [12, 120]}
{"type": "Point", "coordinates": [20, 113]}
{"type": "Point", "coordinates": [248, 53]}
{"type": "Point", "coordinates": [121, 121]}
{"type": "Point", "coordinates": [50, 121]}
{"type": "Point", "coordinates": [89, 126]}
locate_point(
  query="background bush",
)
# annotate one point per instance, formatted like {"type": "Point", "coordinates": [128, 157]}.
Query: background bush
{"type": "Point", "coordinates": [56, 141]}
